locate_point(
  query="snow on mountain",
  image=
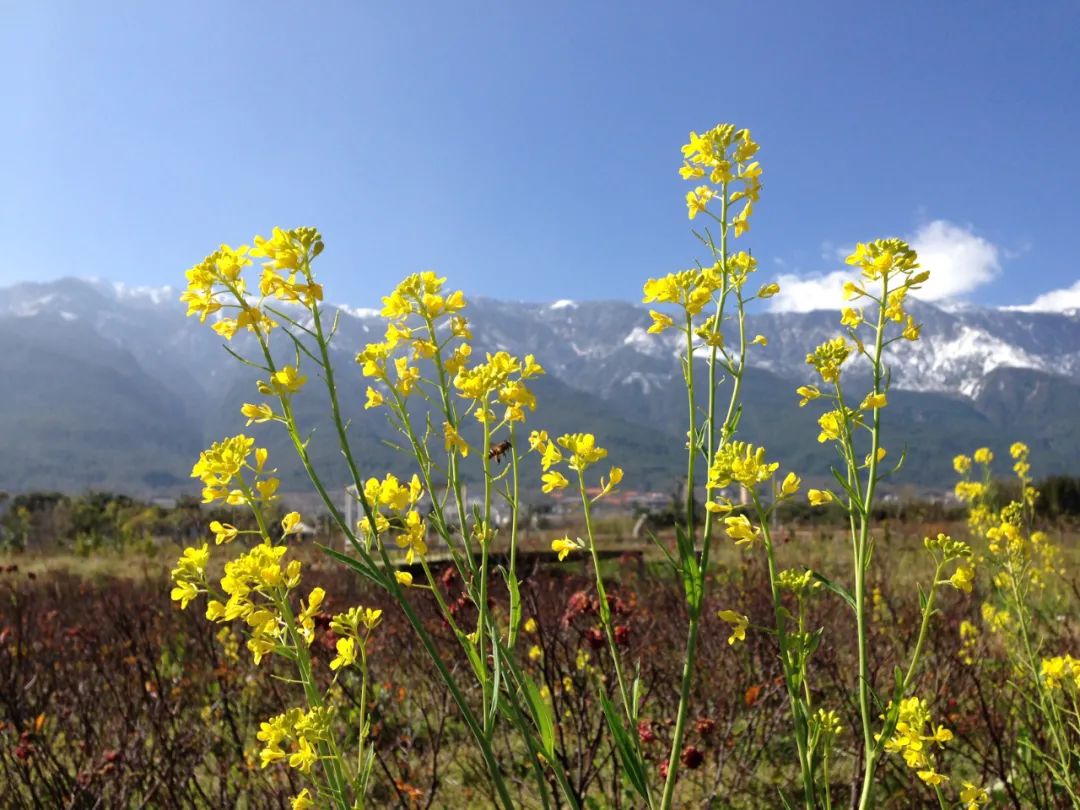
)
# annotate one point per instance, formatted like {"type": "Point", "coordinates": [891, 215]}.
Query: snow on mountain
{"type": "Point", "coordinates": [594, 344]}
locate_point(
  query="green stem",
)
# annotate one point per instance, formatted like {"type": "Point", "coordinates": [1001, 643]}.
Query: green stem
{"type": "Point", "coordinates": [871, 748]}
{"type": "Point", "coordinates": [694, 610]}
{"type": "Point", "coordinates": [798, 713]}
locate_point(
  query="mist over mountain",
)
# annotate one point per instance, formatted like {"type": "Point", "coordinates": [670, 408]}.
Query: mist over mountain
{"type": "Point", "coordinates": [107, 387]}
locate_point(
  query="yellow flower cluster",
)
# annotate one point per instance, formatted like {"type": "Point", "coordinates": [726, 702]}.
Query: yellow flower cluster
{"type": "Point", "coordinates": [744, 464]}
{"type": "Point", "coordinates": [223, 463]}
{"type": "Point", "coordinates": [502, 377]}
{"type": "Point", "coordinates": [692, 290]}
{"type": "Point", "coordinates": [415, 310]}
{"type": "Point", "coordinates": [948, 549]}
{"type": "Point", "coordinates": [1012, 548]}
{"type": "Point", "coordinates": [722, 156]}
{"type": "Point", "coordinates": [302, 732]}
{"type": "Point", "coordinates": [354, 628]}
{"type": "Point", "coordinates": [997, 620]}
{"type": "Point", "coordinates": [189, 575]}
{"type": "Point", "coordinates": [1062, 668]}
{"type": "Point", "coordinates": [827, 725]}
{"type": "Point", "coordinates": [257, 585]}
{"type": "Point", "coordinates": [799, 583]}
{"type": "Point", "coordinates": [740, 462]}
{"type": "Point", "coordinates": [969, 638]}
{"type": "Point", "coordinates": [885, 260]}
{"type": "Point", "coordinates": [217, 282]}
{"type": "Point", "coordinates": [911, 740]}
{"type": "Point", "coordinates": [1019, 451]}
{"type": "Point", "coordinates": [827, 359]}
{"type": "Point", "coordinates": [393, 505]}
{"type": "Point", "coordinates": [579, 452]}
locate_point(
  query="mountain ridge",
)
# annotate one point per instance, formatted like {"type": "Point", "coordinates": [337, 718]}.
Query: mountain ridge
{"type": "Point", "coordinates": [115, 388]}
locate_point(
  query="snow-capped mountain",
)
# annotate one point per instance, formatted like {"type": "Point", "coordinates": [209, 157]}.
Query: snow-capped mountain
{"type": "Point", "coordinates": [83, 360]}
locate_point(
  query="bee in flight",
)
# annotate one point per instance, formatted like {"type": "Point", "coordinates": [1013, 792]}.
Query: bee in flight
{"type": "Point", "coordinates": [497, 451]}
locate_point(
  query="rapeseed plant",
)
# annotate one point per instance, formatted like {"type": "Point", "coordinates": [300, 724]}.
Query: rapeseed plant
{"type": "Point", "coordinates": [459, 414]}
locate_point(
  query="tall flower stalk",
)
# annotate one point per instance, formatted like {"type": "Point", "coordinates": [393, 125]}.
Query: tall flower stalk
{"type": "Point", "coordinates": [461, 417]}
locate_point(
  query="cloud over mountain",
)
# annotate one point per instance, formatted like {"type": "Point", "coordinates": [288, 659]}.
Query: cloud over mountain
{"type": "Point", "coordinates": [959, 261]}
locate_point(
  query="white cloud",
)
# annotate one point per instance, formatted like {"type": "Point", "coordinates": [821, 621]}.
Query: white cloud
{"type": "Point", "coordinates": [1054, 301]}
{"type": "Point", "coordinates": [799, 294]}
{"type": "Point", "coordinates": [959, 261]}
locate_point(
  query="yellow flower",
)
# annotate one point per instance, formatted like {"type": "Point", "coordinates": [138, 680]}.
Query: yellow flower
{"type": "Point", "coordinates": [962, 464]}
{"type": "Point", "coordinates": [281, 249]}
{"type": "Point", "coordinates": [973, 797]}
{"type": "Point", "coordinates": [374, 398]}
{"type": "Point", "coordinates": [223, 532]}
{"type": "Point", "coordinates": [550, 454]}
{"type": "Point", "coordinates": [553, 480]}
{"type": "Point", "coordinates": [267, 488]}
{"type": "Point", "coordinates": [738, 623]}
{"type": "Point", "coordinates": [660, 322]}
{"type": "Point", "coordinates": [606, 487]}
{"type": "Point", "coordinates": [452, 440]}
{"type": "Point", "coordinates": [535, 653]}
{"type": "Point", "coordinates": [742, 462]}
{"type": "Point", "coordinates": [760, 340]}
{"type": "Point", "coordinates": [404, 578]}
{"type": "Point", "coordinates": [583, 450]}
{"type": "Point", "coordinates": [819, 497]}
{"type": "Point", "coordinates": [881, 453]}
{"type": "Point", "coordinates": [769, 290]}
{"type": "Point", "coordinates": [983, 455]}
{"type": "Point", "coordinates": [305, 756]}
{"type": "Point", "coordinates": [851, 317]}
{"type": "Point", "coordinates": [346, 654]}
{"type": "Point", "coordinates": [807, 392]}
{"type": "Point", "coordinates": [287, 380]}
{"type": "Point", "coordinates": [291, 523]}
{"type": "Point", "coordinates": [538, 440]}
{"type": "Point", "coordinates": [302, 801]}
{"type": "Point", "coordinates": [911, 329]}
{"type": "Point", "coordinates": [832, 426]}
{"type": "Point", "coordinates": [184, 592]}
{"type": "Point", "coordinates": [963, 577]}
{"type": "Point", "coordinates": [530, 625]}
{"type": "Point", "coordinates": [873, 401]}
{"type": "Point", "coordinates": [563, 546]}
{"type": "Point", "coordinates": [742, 220]}
{"type": "Point", "coordinates": [741, 530]}
{"type": "Point", "coordinates": [698, 200]}
{"type": "Point", "coordinates": [790, 485]}
{"type": "Point", "coordinates": [852, 290]}
{"type": "Point", "coordinates": [257, 413]}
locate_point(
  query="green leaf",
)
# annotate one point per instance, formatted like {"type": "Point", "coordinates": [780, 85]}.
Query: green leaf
{"type": "Point", "coordinates": [541, 714]}
{"type": "Point", "coordinates": [633, 768]}
{"type": "Point", "coordinates": [836, 588]}
{"type": "Point", "coordinates": [357, 565]}
{"type": "Point", "coordinates": [514, 590]}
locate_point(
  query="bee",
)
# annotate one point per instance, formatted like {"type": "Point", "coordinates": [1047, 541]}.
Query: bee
{"type": "Point", "coordinates": [497, 451]}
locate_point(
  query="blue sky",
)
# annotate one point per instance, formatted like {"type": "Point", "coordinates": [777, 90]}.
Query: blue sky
{"type": "Point", "coordinates": [529, 151]}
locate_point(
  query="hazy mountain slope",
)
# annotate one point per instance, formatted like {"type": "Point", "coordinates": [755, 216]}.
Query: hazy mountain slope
{"type": "Point", "coordinates": [112, 387]}
{"type": "Point", "coordinates": [79, 412]}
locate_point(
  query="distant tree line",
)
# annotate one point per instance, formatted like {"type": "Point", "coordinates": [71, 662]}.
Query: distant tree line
{"type": "Point", "coordinates": [100, 520]}
{"type": "Point", "coordinates": [104, 520]}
